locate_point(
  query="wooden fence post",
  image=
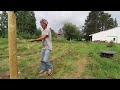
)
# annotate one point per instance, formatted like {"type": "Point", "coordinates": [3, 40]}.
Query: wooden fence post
{"type": "Point", "coordinates": [12, 45]}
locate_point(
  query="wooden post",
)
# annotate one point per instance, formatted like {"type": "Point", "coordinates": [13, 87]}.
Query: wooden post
{"type": "Point", "coordinates": [12, 45]}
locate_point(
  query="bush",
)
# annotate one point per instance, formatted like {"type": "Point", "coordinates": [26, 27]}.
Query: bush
{"type": "Point", "coordinates": [71, 31]}
{"type": "Point", "coordinates": [22, 35]}
{"type": "Point", "coordinates": [111, 44]}
{"type": "Point", "coordinates": [25, 35]}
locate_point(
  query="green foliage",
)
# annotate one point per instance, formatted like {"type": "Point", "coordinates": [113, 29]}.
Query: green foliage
{"type": "Point", "coordinates": [98, 21]}
{"type": "Point", "coordinates": [36, 34]}
{"type": "Point", "coordinates": [71, 31]}
{"type": "Point", "coordinates": [26, 24]}
{"type": "Point", "coordinates": [22, 35]}
{"type": "Point", "coordinates": [70, 59]}
{"type": "Point", "coordinates": [111, 44]}
{"type": "Point", "coordinates": [3, 24]}
{"type": "Point", "coordinates": [79, 36]}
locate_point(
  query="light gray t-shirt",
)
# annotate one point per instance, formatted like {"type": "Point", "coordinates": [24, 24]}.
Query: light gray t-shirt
{"type": "Point", "coordinates": [47, 42]}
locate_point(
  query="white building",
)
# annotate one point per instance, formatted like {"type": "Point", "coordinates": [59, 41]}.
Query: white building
{"type": "Point", "coordinates": [108, 35]}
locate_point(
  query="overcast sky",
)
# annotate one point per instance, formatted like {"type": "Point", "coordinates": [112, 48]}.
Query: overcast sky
{"type": "Point", "coordinates": [56, 19]}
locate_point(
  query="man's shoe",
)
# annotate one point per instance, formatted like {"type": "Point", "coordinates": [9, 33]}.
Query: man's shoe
{"type": "Point", "coordinates": [50, 71]}
{"type": "Point", "coordinates": [42, 72]}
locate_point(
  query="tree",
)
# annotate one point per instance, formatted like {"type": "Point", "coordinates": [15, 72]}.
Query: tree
{"type": "Point", "coordinates": [91, 24]}
{"type": "Point", "coordinates": [71, 31]}
{"type": "Point", "coordinates": [115, 23]}
{"type": "Point", "coordinates": [98, 21]}
{"type": "Point", "coordinates": [0, 25]}
{"type": "Point", "coordinates": [37, 33]}
{"type": "Point", "coordinates": [26, 24]}
{"type": "Point", "coordinates": [3, 24]}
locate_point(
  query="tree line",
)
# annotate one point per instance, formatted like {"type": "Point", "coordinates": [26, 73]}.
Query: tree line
{"type": "Point", "coordinates": [26, 25]}
{"type": "Point", "coordinates": [96, 21]}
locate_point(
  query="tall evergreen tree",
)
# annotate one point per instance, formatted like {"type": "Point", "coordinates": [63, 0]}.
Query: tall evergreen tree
{"type": "Point", "coordinates": [98, 21]}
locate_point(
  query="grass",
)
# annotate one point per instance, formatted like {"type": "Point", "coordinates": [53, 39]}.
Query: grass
{"type": "Point", "coordinates": [71, 60]}
{"type": "Point", "coordinates": [103, 68]}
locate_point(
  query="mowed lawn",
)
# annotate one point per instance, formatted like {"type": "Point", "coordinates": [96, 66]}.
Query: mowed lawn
{"type": "Point", "coordinates": [71, 60]}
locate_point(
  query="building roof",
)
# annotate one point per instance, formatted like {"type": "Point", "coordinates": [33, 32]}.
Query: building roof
{"type": "Point", "coordinates": [109, 30]}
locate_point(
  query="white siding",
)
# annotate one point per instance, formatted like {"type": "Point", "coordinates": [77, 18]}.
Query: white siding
{"type": "Point", "coordinates": [108, 35]}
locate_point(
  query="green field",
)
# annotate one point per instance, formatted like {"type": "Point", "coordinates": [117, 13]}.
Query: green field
{"type": "Point", "coordinates": [71, 60]}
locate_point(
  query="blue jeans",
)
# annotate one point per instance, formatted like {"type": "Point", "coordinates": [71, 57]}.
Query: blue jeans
{"type": "Point", "coordinates": [45, 62]}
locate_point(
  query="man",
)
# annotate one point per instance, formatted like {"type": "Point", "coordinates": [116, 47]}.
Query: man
{"type": "Point", "coordinates": [46, 47]}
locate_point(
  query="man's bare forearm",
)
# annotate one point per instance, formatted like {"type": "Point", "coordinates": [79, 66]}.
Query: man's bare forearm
{"type": "Point", "coordinates": [38, 39]}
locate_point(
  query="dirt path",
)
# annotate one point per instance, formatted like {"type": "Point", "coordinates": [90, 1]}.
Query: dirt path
{"type": "Point", "coordinates": [79, 66]}
{"type": "Point", "coordinates": [82, 65]}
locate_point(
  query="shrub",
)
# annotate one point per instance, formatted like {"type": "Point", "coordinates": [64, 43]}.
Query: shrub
{"type": "Point", "coordinates": [111, 44]}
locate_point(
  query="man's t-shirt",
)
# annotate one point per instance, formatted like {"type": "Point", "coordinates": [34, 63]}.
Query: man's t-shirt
{"type": "Point", "coordinates": [47, 42]}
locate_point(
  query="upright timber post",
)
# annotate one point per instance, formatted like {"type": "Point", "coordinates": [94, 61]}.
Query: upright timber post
{"type": "Point", "coordinates": [12, 45]}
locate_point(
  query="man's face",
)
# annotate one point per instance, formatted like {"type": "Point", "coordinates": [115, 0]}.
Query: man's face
{"type": "Point", "coordinates": [43, 25]}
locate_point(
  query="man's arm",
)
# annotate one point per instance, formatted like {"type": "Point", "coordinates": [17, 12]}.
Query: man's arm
{"type": "Point", "coordinates": [39, 39]}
